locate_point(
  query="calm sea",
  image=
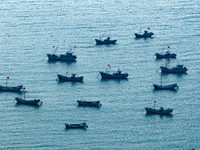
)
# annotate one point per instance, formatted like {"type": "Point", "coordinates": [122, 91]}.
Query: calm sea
{"type": "Point", "coordinates": [29, 29]}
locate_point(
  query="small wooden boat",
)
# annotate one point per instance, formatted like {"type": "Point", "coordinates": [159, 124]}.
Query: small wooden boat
{"type": "Point", "coordinates": [11, 89]}
{"type": "Point", "coordinates": [89, 103]}
{"type": "Point", "coordinates": [146, 34]}
{"type": "Point", "coordinates": [28, 102]}
{"type": "Point", "coordinates": [165, 87]}
{"type": "Point", "coordinates": [35, 102]}
{"type": "Point", "coordinates": [73, 78]}
{"type": "Point", "coordinates": [76, 126]}
{"type": "Point", "coordinates": [105, 41]}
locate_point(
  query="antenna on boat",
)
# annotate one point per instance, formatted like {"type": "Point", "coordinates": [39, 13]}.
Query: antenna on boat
{"type": "Point", "coordinates": [54, 51]}
{"type": "Point", "coordinates": [102, 36]}
{"type": "Point", "coordinates": [24, 92]}
{"type": "Point", "coordinates": [108, 67]}
{"type": "Point", "coordinates": [74, 49]}
{"type": "Point", "coordinates": [154, 104]}
{"type": "Point", "coordinates": [7, 80]}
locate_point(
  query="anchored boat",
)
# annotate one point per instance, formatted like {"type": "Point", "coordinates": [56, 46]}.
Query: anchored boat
{"type": "Point", "coordinates": [160, 111]}
{"type": "Point", "coordinates": [35, 102]}
{"type": "Point", "coordinates": [69, 56]}
{"type": "Point", "coordinates": [176, 69]}
{"type": "Point", "coordinates": [73, 78]}
{"type": "Point", "coordinates": [75, 126]}
{"type": "Point", "coordinates": [105, 41]}
{"type": "Point", "coordinates": [10, 88]}
{"type": "Point", "coordinates": [115, 75]}
{"type": "Point", "coordinates": [89, 103]}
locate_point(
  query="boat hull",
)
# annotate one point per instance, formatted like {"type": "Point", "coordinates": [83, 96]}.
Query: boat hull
{"type": "Point", "coordinates": [143, 35]}
{"type": "Point", "coordinates": [166, 87]}
{"type": "Point", "coordinates": [53, 57]}
{"type": "Point", "coordinates": [71, 79]}
{"type": "Point", "coordinates": [76, 126]}
{"type": "Point", "coordinates": [113, 76]}
{"type": "Point", "coordinates": [165, 55]}
{"type": "Point", "coordinates": [89, 103]}
{"type": "Point", "coordinates": [173, 70]}
{"type": "Point", "coordinates": [35, 102]}
{"type": "Point", "coordinates": [100, 42]}
{"type": "Point", "coordinates": [158, 111]}
{"type": "Point", "coordinates": [11, 89]}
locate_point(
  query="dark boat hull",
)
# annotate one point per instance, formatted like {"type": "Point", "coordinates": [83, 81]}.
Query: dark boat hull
{"type": "Point", "coordinates": [11, 89]}
{"type": "Point", "coordinates": [71, 79]}
{"type": "Point", "coordinates": [173, 70]}
{"type": "Point", "coordinates": [165, 55]}
{"type": "Point", "coordinates": [113, 76]}
{"type": "Point", "coordinates": [53, 57]}
{"type": "Point", "coordinates": [89, 103]}
{"type": "Point", "coordinates": [165, 87]}
{"type": "Point", "coordinates": [159, 112]}
{"type": "Point", "coordinates": [35, 102]}
{"type": "Point", "coordinates": [76, 126]}
{"type": "Point", "coordinates": [143, 35]}
{"type": "Point", "coordinates": [100, 42]}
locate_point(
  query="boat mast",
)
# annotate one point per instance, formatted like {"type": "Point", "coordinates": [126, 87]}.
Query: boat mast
{"type": "Point", "coordinates": [161, 79]}
{"type": "Point", "coordinates": [24, 92]}
{"type": "Point", "coordinates": [154, 104]}
{"type": "Point", "coordinates": [7, 80]}
{"type": "Point", "coordinates": [54, 50]}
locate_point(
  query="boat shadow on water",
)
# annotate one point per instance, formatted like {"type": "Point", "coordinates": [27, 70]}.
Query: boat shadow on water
{"type": "Point", "coordinates": [69, 82]}
{"type": "Point", "coordinates": [168, 90]}
{"type": "Point", "coordinates": [160, 115]}
{"type": "Point", "coordinates": [115, 80]}
{"type": "Point", "coordinates": [79, 129]}
{"type": "Point", "coordinates": [91, 107]}
{"type": "Point", "coordinates": [177, 75]}
{"type": "Point", "coordinates": [144, 39]}
{"type": "Point", "coordinates": [65, 62]}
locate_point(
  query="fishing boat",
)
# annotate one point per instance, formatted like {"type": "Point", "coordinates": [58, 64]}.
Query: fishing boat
{"type": "Point", "coordinates": [73, 78]}
{"type": "Point", "coordinates": [28, 102]}
{"type": "Point", "coordinates": [146, 34]}
{"type": "Point", "coordinates": [160, 111]}
{"type": "Point", "coordinates": [165, 87]}
{"type": "Point", "coordinates": [69, 56]}
{"type": "Point", "coordinates": [35, 102]}
{"type": "Point", "coordinates": [165, 55]}
{"type": "Point", "coordinates": [168, 54]}
{"type": "Point", "coordinates": [10, 88]}
{"type": "Point", "coordinates": [75, 126]}
{"type": "Point", "coordinates": [176, 69]}
{"type": "Point", "coordinates": [115, 75]}
{"type": "Point", "coordinates": [89, 103]}
{"type": "Point", "coordinates": [105, 41]}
